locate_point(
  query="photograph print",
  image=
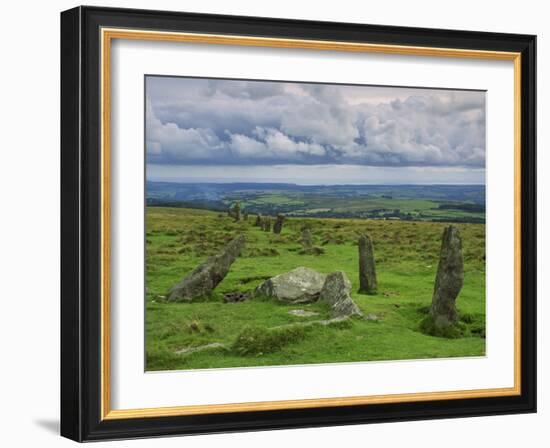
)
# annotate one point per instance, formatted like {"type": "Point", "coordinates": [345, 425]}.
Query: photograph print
{"type": "Point", "coordinates": [293, 223]}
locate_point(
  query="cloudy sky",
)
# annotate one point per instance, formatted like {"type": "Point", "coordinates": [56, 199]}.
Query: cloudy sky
{"type": "Point", "coordinates": [230, 131]}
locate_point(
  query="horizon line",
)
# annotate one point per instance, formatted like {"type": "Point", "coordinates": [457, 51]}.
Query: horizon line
{"type": "Point", "coordinates": [180, 181]}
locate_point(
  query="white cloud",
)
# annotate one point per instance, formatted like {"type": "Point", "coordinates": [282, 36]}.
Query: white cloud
{"type": "Point", "coordinates": [170, 142]}
{"type": "Point", "coordinates": [200, 121]}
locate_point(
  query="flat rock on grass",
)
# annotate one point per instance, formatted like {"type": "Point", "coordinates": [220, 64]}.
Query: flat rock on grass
{"type": "Point", "coordinates": [301, 285]}
{"type": "Point", "coordinates": [200, 348]}
{"type": "Point", "coordinates": [314, 250]}
{"type": "Point", "coordinates": [303, 313]}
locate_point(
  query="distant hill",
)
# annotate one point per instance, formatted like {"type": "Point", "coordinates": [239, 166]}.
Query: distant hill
{"type": "Point", "coordinates": [460, 203]}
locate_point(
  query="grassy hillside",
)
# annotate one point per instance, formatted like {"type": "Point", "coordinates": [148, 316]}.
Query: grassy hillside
{"type": "Point", "coordinates": [406, 256]}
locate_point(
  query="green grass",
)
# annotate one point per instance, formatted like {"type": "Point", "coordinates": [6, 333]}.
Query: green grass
{"type": "Point", "coordinates": [406, 255]}
{"type": "Point", "coordinates": [257, 341]}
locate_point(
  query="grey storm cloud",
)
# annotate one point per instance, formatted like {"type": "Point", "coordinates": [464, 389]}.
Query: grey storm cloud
{"type": "Point", "coordinates": [193, 121]}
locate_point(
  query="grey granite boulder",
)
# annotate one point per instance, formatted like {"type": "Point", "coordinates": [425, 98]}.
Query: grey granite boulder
{"type": "Point", "coordinates": [336, 294]}
{"type": "Point", "coordinates": [301, 285]}
{"type": "Point", "coordinates": [204, 278]}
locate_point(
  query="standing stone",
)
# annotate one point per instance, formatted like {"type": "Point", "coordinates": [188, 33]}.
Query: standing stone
{"type": "Point", "coordinates": [258, 222]}
{"type": "Point", "coordinates": [266, 224]}
{"type": "Point", "coordinates": [367, 269]}
{"type": "Point", "coordinates": [237, 211]}
{"type": "Point", "coordinates": [278, 226]}
{"type": "Point", "coordinates": [306, 238]}
{"type": "Point", "coordinates": [204, 278]}
{"type": "Point", "coordinates": [336, 293]}
{"type": "Point", "coordinates": [449, 279]}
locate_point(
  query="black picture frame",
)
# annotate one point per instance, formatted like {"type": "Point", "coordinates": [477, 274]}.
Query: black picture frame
{"type": "Point", "coordinates": [81, 224]}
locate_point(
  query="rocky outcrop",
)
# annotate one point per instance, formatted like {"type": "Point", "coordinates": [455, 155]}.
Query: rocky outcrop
{"type": "Point", "coordinates": [336, 293]}
{"type": "Point", "coordinates": [301, 285]}
{"type": "Point", "coordinates": [204, 278]}
{"type": "Point", "coordinates": [449, 279]}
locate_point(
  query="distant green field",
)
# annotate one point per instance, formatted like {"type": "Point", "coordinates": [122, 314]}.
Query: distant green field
{"type": "Point", "coordinates": [278, 199]}
{"type": "Point", "coordinates": [440, 203]}
{"type": "Point", "coordinates": [370, 206]}
{"type": "Point", "coordinates": [406, 255]}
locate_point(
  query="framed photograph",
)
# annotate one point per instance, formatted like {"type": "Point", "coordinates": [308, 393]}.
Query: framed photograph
{"type": "Point", "coordinates": [273, 223]}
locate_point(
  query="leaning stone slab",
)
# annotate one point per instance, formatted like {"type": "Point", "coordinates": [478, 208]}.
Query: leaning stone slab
{"type": "Point", "coordinates": [336, 293]}
{"type": "Point", "coordinates": [301, 285]}
{"type": "Point", "coordinates": [204, 278]}
{"type": "Point", "coordinates": [449, 279]}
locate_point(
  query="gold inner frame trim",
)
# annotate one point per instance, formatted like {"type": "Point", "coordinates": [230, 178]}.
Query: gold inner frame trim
{"type": "Point", "coordinates": [107, 35]}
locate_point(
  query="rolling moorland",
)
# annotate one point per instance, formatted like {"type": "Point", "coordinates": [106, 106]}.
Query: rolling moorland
{"type": "Point", "coordinates": [406, 253]}
{"type": "Point", "coordinates": [439, 203]}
